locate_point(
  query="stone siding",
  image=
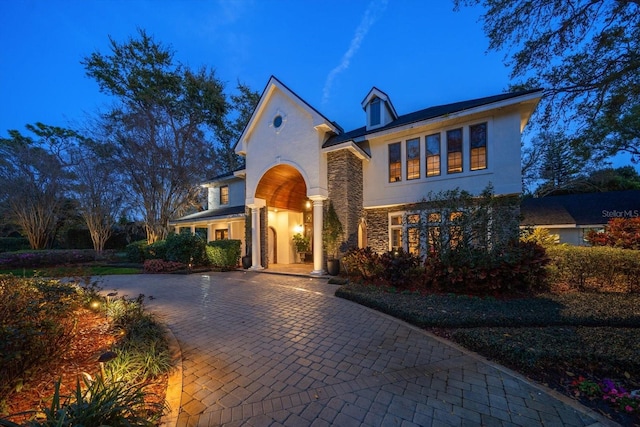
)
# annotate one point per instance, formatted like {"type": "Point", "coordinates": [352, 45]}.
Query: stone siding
{"type": "Point", "coordinates": [344, 176]}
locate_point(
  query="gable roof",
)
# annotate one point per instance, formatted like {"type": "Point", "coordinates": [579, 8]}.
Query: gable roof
{"type": "Point", "coordinates": [377, 93]}
{"type": "Point", "coordinates": [427, 114]}
{"type": "Point", "coordinates": [266, 92]}
{"type": "Point", "coordinates": [580, 209]}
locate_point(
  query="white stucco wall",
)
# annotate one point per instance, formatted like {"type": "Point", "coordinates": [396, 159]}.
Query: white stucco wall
{"type": "Point", "coordinates": [236, 193]}
{"type": "Point", "coordinates": [296, 143]}
{"type": "Point", "coordinates": [503, 162]}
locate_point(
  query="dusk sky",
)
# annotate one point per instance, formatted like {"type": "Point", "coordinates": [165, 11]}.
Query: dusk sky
{"type": "Point", "coordinates": [421, 53]}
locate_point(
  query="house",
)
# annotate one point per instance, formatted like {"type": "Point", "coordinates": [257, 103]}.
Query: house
{"type": "Point", "coordinates": [297, 160]}
{"type": "Point", "coordinates": [572, 216]}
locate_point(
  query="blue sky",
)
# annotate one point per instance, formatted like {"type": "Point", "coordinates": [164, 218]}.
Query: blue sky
{"type": "Point", "coordinates": [330, 52]}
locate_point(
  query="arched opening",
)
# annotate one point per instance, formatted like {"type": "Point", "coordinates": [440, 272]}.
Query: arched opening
{"type": "Point", "coordinates": [289, 212]}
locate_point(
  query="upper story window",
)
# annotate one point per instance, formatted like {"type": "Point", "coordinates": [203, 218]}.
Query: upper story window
{"type": "Point", "coordinates": [454, 150]}
{"type": "Point", "coordinates": [413, 158]}
{"type": "Point", "coordinates": [432, 143]}
{"type": "Point", "coordinates": [375, 112]}
{"type": "Point", "coordinates": [224, 195]}
{"type": "Point", "coordinates": [395, 162]}
{"type": "Point", "coordinates": [478, 145]}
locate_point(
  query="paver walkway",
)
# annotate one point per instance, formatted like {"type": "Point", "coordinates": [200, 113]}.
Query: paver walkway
{"type": "Point", "coordinates": [268, 350]}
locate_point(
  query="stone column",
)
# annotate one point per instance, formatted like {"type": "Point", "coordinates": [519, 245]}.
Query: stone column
{"type": "Point", "coordinates": [317, 235]}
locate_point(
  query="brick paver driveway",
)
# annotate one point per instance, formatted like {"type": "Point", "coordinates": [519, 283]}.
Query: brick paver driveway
{"type": "Point", "coordinates": [263, 350]}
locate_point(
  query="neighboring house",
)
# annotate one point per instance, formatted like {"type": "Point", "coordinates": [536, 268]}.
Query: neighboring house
{"type": "Point", "coordinates": [572, 216]}
{"type": "Point", "coordinates": [297, 160]}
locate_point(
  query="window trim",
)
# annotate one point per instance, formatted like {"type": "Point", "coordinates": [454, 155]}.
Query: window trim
{"type": "Point", "coordinates": [461, 151]}
{"type": "Point", "coordinates": [485, 146]}
{"type": "Point", "coordinates": [415, 175]}
{"type": "Point", "coordinates": [226, 196]}
{"type": "Point", "coordinates": [427, 156]}
{"type": "Point", "coordinates": [397, 177]}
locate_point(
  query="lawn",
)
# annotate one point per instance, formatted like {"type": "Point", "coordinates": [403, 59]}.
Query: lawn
{"type": "Point", "coordinates": [558, 340]}
{"type": "Point", "coordinates": [92, 270]}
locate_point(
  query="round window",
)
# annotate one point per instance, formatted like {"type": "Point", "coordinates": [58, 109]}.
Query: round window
{"type": "Point", "coordinates": [277, 121]}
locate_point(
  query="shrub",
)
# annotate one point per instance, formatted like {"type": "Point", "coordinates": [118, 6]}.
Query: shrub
{"type": "Point", "coordinates": [541, 236]}
{"type": "Point", "coordinates": [156, 250]}
{"type": "Point", "coordinates": [362, 263]}
{"type": "Point", "coordinates": [603, 269]}
{"type": "Point", "coordinates": [45, 258]}
{"type": "Point", "coordinates": [13, 244]}
{"type": "Point", "coordinates": [136, 251]}
{"type": "Point", "coordinates": [621, 233]}
{"type": "Point", "coordinates": [224, 254]}
{"type": "Point", "coordinates": [518, 268]}
{"type": "Point", "coordinates": [35, 316]}
{"type": "Point", "coordinates": [162, 266]}
{"type": "Point", "coordinates": [186, 248]}
{"type": "Point", "coordinates": [400, 269]}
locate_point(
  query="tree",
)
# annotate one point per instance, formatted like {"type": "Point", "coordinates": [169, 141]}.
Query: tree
{"type": "Point", "coordinates": [619, 233]}
{"type": "Point", "coordinates": [559, 166]}
{"type": "Point", "coordinates": [243, 105]}
{"type": "Point", "coordinates": [159, 131]}
{"type": "Point", "coordinates": [586, 53]}
{"type": "Point", "coordinates": [98, 189]}
{"type": "Point", "coordinates": [34, 180]}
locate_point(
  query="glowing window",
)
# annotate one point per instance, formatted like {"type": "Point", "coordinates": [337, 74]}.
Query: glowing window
{"type": "Point", "coordinates": [454, 151]}
{"type": "Point", "coordinates": [433, 154]}
{"type": "Point", "coordinates": [413, 158]}
{"type": "Point", "coordinates": [395, 165]}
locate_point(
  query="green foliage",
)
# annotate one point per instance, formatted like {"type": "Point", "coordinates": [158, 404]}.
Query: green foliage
{"type": "Point", "coordinates": [400, 269]}
{"type": "Point", "coordinates": [621, 233]}
{"type": "Point", "coordinates": [156, 250]}
{"type": "Point", "coordinates": [136, 251]}
{"type": "Point", "coordinates": [45, 258]}
{"type": "Point", "coordinates": [186, 248]}
{"type": "Point", "coordinates": [35, 327]}
{"type": "Point", "coordinates": [100, 403]}
{"type": "Point", "coordinates": [362, 263]}
{"type": "Point", "coordinates": [332, 232]}
{"type": "Point", "coordinates": [13, 244]}
{"type": "Point", "coordinates": [540, 236]}
{"type": "Point", "coordinates": [600, 269]}
{"type": "Point", "coordinates": [224, 254]}
{"type": "Point", "coordinates": [301, 242]}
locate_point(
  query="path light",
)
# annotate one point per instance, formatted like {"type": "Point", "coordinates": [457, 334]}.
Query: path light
{"type": "Point", "coordinates": [105, 357]}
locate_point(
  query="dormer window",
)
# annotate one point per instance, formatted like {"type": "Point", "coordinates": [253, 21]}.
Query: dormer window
{"type": "Point", "coordinates": [374, 112]}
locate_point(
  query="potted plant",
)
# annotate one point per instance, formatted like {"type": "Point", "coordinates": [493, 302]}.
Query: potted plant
{"type": "Point", "coordinates": [301, 243]}
{"type": "Point", "coordinates": [332, 235]}
{"type": "Point", "coordinates": [246, 261]}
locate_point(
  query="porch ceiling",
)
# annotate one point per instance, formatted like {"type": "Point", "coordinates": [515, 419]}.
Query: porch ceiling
{"type": "Point", "coordinates": [283, 187]}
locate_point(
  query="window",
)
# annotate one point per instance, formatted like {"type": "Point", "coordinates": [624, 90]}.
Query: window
{"type": "Point", "coordinates": [395, 229]}
{"type": "Point", "coordinates": [413, 234]}
{"type": "Point", "coordinates": [454, 151]}
{"type": "Point", "coordinates": [478, 142]}
{"type": "Point", "coordinates": [433, 154]}
{"type": "Point", "coordinates": [374, 112]}
{"type": "Point", "coordinates": [222, 234]}
{"type": "Point", "coordinates": [224, 195]}
{"type": "Point", "coordinates": [434, 220]}
{"type": "Point", "coordinates": [455, 229]}
{"type": "Point", "coordinates": [413, 158]}
{"type": "Point", "coordinates": [395, 167]}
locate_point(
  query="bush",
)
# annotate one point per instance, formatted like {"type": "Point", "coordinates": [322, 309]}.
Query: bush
{"type": "Point", "coordinates": [601, 269]}
{"type": "Point", "coordinates": [362, 263]}
{"type": "Point", "coordinates": [621, 233]}
{"type": "Point", "coordinates": [156, 250]}
{"type": "Point", "coordinates": [45, 258]}
{"type": "Point", "coordinates": [13, 244]}
{"type": "Point", "coordinates": [224, 254]}
{"type": "Point", "coordinates": [400, 269]}
{"type": "Point", "coordinates": [35, 327]}
{"type": "Point", "coordinates": [162, 266]}
{"type": "Point", "coordinates": [136, 251]}
{"type": "Point", "coordinates": [187, 248]}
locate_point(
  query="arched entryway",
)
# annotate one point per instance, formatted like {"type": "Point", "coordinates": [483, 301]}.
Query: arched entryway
{"type": "Point", "coordinates": [289, 212]}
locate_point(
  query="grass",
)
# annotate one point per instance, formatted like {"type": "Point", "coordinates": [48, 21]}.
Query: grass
{"type": "Point", "coordinates": [94, 270]}
{"type": "Point", "coordinates": [551, 338]}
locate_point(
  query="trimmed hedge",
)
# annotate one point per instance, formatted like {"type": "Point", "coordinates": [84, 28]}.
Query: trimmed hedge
{"type": "Point", "coordinates": [45, 258]}
{"type": "Point", "coordinates": [13, 244]}
{"type": "Point", "coordinates": [224, 254]}
{"type": "Point", "coordinates": [600, 269]}
{"type": "Point", "coordinates": [136, 251]}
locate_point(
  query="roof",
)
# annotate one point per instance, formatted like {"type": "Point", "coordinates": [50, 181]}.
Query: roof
{"type": "Point", "coordinates": [426, 114]}
{"type": "Point", "coordinates": [212, 214]}
{"type": "Point", "coordinates": [580, 209]}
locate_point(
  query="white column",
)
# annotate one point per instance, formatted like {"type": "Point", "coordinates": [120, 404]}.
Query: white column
{"type": "Point", "coordinates": [193, 229]}
{"type": "Point", "coordinates": [317, 236]}
{"type": "Point", "coordinates": [255, 239]}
